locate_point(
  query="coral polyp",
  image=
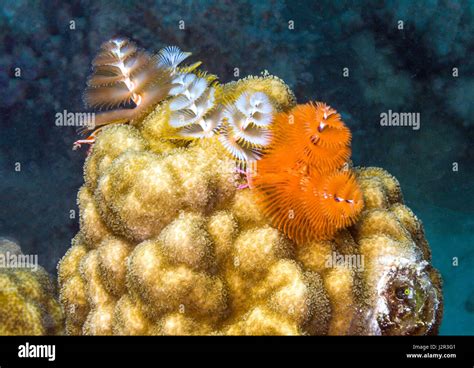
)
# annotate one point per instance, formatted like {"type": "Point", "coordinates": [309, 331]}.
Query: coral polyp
{"type": "Point", "coordinates": [339, 202]}
{"type": "Point", "coordinates": [322, 125]}
{"type": "Point", "coordinates": [128, 83]}
{"type": "Point", "coordinates": [244, 128]}
{"type": "Point", "coordinates": [300, 181]}
{"type": "Point", "coordinates": [128, 77]}
{"type": "Point", "coordinates": [193, 105]}
{"type": "Point", "coordinates": [316, 133]}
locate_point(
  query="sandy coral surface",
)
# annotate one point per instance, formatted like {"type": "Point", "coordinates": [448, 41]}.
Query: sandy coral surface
{"type": "Point", "coordinates": [28, 296]}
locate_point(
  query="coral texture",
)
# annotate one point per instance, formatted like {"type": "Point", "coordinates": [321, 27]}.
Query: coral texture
{"type": "Point", "coordinates": [169, 245]}
{"type": "Point", "coordinates": [28, 298]}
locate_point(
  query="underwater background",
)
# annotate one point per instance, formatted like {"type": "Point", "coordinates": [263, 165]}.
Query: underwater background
{"type": "Point", "coordinates": [423, 65]}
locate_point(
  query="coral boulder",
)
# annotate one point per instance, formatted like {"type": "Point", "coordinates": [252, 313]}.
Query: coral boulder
{"type": "Point", "coordinates": [28, 296]}
{"type": "Point", "coordinates": [168, 244]}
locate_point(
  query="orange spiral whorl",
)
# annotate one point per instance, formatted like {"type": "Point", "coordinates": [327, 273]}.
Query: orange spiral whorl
{"type": "Point", "coordinates": [300, 182]}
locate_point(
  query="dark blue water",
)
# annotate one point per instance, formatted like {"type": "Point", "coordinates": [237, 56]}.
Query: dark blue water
{"type": "Point", "coordinates": [403, 56]}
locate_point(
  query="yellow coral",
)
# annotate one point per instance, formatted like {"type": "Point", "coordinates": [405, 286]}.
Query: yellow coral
{"type": "Point", "coordinates": [107, 149]}
{"type": "Point", "coordinates": [28, 304]}
{"type": "Point", "coordinates": [169, 245]}
{"type": "Point", "coordinates": [278, 91]}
